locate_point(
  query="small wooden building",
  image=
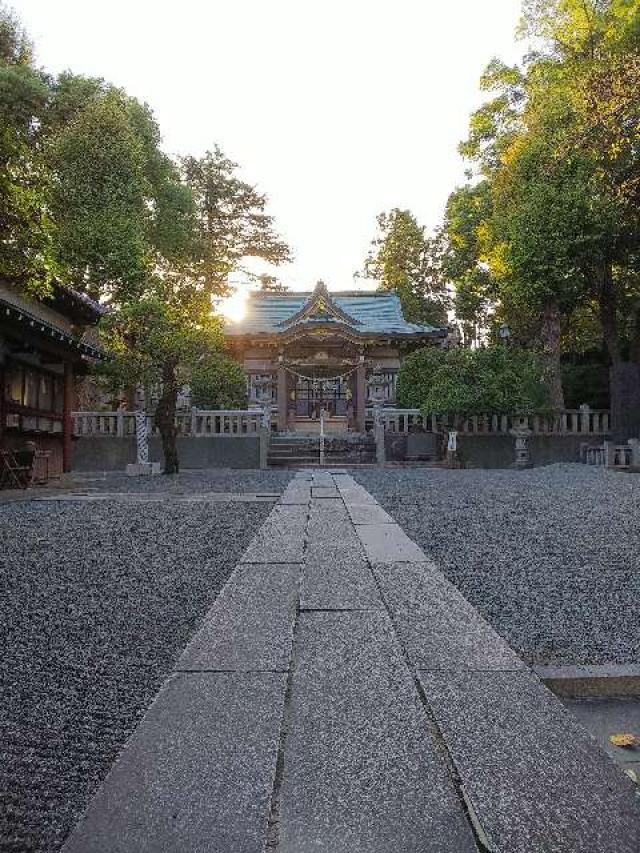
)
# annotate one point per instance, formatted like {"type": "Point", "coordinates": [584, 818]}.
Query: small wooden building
{"type": "Point", "coordinates": [44, 345]}
{"type": "Point", "coordinates": [340, 352]}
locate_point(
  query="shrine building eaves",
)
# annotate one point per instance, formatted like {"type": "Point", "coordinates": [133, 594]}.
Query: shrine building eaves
{"type": "Point", "coordinates": [363, 313]}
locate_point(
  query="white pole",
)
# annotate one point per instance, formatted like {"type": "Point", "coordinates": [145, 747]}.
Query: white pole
{"type": "Point", "coordinates": [322, 437]}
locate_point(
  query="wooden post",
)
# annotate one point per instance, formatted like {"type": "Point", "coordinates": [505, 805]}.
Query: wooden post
{"type": "Point", "coordinates": [282, 395]}
{"type": "Point", "coordinates": [67, 421]}
{"type": "Point", "coordinates": [361, 395]}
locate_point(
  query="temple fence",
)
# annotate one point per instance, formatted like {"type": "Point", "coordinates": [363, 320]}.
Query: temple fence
{"type": "Point", "coordinates": [197, 423]}
{"type": "Point", "coordinates": [582, 421]}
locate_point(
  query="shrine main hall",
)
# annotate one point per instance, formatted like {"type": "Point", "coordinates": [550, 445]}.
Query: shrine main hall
{"type": "Point", "coordinates": [304, 352]}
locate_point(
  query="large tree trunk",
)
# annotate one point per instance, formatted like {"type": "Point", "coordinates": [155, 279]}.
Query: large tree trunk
{"type": "Point", "coordinates": [624, 376]}
{"type": "Point", "coordinates": [607, 298]}
{"type": "Point", "coordinates": [634, 343]}
{"type": "Point", "coordinates": [166, 419]}
{"type": "Point", "coordinates": [551, 349]}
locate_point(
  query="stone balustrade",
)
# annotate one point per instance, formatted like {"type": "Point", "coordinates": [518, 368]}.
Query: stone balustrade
{"type": "Point", "coordinates": [582, 421]}
{"type": "Point", "coordinates": [196, 423]}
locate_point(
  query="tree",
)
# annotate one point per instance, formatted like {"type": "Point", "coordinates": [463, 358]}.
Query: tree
{"type": "Point", "coordinates": [557, 147]}
{"type": "Point", "coordinates": [464, 257]}
{"type": "Point", "coordinates": [120, 206]}
{"type": "Point", "coordinates": [218, 382]}
{"type": "Point", "coordinates": [464, 382]}
{"type": "Point", "coordinates": [26, 229]}
{"type": "Point", "coordinates": [158, 342]}
{"type": "Point", "coordinates": [232, 222]}
{"type": "Point", "coordinates": [182, 340]}
{"type": "Point", "coordinates": [416, 375]}
{"type": "Point", "coordinates": [404, 261]}
{"type": "Point", "coordinates": [270, 284]}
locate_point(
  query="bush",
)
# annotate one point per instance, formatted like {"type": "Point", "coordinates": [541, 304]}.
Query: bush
{"type": "Point", "coordinates": [416, 376]}
{"type": "Point", "coordinates": [470, 382]}
{"type": "Point", "coordinates": [218, 382]}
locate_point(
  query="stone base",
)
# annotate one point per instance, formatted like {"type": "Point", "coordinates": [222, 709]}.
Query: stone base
{"type": "Point", "coordinates": [143, 469]}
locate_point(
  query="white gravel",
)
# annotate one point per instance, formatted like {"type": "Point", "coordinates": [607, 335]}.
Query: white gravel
{"type": "Point", "coordinates": [550, 556]}
{"type": "Point", "coordinates": [98, 600]}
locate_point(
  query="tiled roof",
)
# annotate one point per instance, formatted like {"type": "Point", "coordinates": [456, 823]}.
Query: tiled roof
{"type": "Point", "coordinates": [372, 314]}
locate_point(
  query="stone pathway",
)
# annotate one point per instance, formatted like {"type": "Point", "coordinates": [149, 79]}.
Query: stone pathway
{"type": "Point", "coordinates": [342, 696]}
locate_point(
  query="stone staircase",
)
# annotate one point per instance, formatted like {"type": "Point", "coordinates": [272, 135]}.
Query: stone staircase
{"type": "Point", "coordinates": [291, 450]}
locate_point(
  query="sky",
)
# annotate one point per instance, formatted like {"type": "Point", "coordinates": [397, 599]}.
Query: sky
{"type": "Point", "coordinates": [337, 110]}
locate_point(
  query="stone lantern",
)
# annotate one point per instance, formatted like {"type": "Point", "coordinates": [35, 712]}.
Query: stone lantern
{"type": "Point", "coordinates": [521, 432]}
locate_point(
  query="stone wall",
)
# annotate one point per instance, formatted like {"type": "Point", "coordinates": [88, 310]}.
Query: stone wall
{"type": "Point", "coordinates": [113, 454]}
{"type": "Point", "coordinates": [497, 451]}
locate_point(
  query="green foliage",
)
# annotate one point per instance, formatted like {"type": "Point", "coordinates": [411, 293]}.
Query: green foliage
{"type": "Point", "coordinates": [586, 382]}
{"type": "Point", "coordinates": [99, 197]}
{"type": "Point", "coordinates": [270, 284]}
{"type": "Point", "coordinates": [26, 255]}
{"type": "Point", "coordinates": [231, 220]}
{"type": "Point", "coordinates": [218, 382]}
{"type": "Point", "coordinates": [464, 261]}
{"type": "Point", "coordinates": [472, 381]}
{"type": "Point", "coordinates": [548, 239]}
{"type": "Point", "coordinates": [403, 260]}
{"type": "Point", "coordinates": [154, 336]}
{"type": "Point", "coordinates": [416, 375]}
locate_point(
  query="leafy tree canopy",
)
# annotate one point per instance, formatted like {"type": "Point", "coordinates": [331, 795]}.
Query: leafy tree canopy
{"type": "Point", "coordinates": [466, 381]}
{"type": "Point", "coordinates": [403, 260]}
{"type": "Point", "coordinates": [218, 382]}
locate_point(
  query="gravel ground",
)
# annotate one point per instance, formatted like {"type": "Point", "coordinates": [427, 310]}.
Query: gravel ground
{"type": "Point", "coordinates": [98, 599]}
{"type": "Point", "coordinates": [550, 556]}
{"type": "Point", "coordinates": [213, 480]}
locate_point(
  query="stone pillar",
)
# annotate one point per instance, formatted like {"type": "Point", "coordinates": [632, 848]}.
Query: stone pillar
{"type": "Point", "coordinates": [67, 420]}
{"type": "Point", "coordinates": [378, 431]}
{"type": "Point", "coordinates": [521, 433]}
{"type": "Point", "coordinates": [361, 394]}
{"type": "Point", "coordinates": [609, 454]}
{"type": "Point", "coordinates": [283, 403]}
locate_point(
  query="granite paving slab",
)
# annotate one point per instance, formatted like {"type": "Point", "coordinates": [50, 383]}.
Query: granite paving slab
{"type": "Point", "coordinates": [388, 543]}
{"type": "Point", "coordinates": [324, 492]}
{"type": "Point", "coordinates": [322, 480]}
{"type": "Point", "coordinates": [535, 777]}
{"type": "Point", "coordinates": [352, 492]}
{"type": "Point", "coordinates": [297, 492]}
{"type": "Point", "coordinates": [337, 578]}
{"type": "Point", "coordinates": [368, 513]}
{"type": "Point", "coordinates": [438, 627]}
{"type": "Point", "coordinates": [250, 626]}
{"type": "Point", "coordinates": [281, 537]}
{"type": "Point", "coordinates": [361, 772]}
{"type": "Point", "coordinates": [197, 774]}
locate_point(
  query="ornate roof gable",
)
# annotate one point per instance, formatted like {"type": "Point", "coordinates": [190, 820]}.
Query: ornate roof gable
{"type": "Point", "coordinates": [320, 308]}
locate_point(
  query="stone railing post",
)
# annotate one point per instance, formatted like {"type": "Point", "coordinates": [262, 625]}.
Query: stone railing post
{"type": "Point", "coordinates": [378, 432]}
{"type": "Point", "coordinates": [264, 437]}
{"type": "Point", "coordinates": [634, 444]}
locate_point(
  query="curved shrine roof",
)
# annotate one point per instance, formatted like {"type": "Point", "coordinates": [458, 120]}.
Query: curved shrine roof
{"type": "Point", "coordinates": [364, 313]}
